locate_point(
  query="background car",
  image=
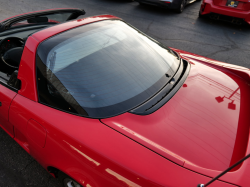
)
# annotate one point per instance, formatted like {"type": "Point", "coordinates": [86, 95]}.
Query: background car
{"type": "Point", "coordinates": [235, 11]}
{"type": "Point", "coordinates": [177, 5]}
{"type": "Point", "coordinates": [98, 103]}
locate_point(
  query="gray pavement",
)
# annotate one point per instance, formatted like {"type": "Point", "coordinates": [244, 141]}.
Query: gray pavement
{"type": "Point", "coordinates": [213, 39]}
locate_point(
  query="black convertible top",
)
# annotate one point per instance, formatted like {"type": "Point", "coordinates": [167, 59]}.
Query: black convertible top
{"type": "Point", "coordinates": [5, 24]}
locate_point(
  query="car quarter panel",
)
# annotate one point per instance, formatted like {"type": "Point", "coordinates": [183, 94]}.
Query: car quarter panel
{"type": "Point", "coordinates": [95, 154]}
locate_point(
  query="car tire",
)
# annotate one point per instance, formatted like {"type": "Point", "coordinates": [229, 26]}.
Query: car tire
{"type": "Point", "coordinates": [67, 181]}
{"type": "Point", "coordinates": [200, 15]}
{"type": "Point", "coordinates": [181, 7]}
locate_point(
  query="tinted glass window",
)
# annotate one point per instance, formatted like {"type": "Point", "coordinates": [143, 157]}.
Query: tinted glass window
{"type": "Point", "coordinates": [101, 69]}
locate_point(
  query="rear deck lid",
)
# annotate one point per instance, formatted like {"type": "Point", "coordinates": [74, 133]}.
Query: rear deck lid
{"type": "Point", "coordinates": [199, 125]}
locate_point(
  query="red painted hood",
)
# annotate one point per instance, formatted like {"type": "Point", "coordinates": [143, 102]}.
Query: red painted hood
{"type": "Point", "coordinates": [199, 126]}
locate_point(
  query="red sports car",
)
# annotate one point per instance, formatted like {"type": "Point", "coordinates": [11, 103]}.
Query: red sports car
{"type": "Point", "coordinates": [98, 103]}
{"type": "Point", "coordinates": [235, 11]}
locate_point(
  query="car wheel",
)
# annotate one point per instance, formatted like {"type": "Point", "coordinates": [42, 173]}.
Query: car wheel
{"type": "Point", "coordinates": [181, 7]}
{"type": "Point", "coordinates": [67, 181]}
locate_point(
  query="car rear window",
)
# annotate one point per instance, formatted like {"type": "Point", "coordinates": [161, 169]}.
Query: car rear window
{"type": "Point", "coordinates": [101, 69]}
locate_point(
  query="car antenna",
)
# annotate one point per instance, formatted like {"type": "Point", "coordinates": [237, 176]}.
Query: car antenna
{"type": "Point", "coordinates": [224, 172]}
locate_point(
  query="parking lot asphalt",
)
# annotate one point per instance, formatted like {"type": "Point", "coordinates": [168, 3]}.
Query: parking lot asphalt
{"type": "Point", "coordinates": [214, 39]}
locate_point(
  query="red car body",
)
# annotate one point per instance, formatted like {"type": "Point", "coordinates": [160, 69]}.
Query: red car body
{"type": "Point", "coordinates": [188, 141]}
{"type": "Point", "coordinates": [221, 7]}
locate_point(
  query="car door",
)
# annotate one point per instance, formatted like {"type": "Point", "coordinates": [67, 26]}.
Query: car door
{"type": "Point", "coordinates": [40, 18]}
{"type": "Point", "coordinates": [51, 16]}
{"type": "Point", "coordinates": [6, 96]}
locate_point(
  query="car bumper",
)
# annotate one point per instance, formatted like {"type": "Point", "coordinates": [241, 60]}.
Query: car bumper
{"type": "Point", "coordinates": [208, 7]}
{"type": "Point", "coordinates": [167, 4]}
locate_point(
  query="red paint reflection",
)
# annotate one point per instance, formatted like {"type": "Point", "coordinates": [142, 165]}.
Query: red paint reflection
{"type": "Point", "coordinates": [231, 105]}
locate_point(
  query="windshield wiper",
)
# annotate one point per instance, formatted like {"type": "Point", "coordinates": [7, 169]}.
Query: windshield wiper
{"type": "Point", "coordinates": [175, 81]}
{"type": "Point", "coordinates": [224, 172]}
